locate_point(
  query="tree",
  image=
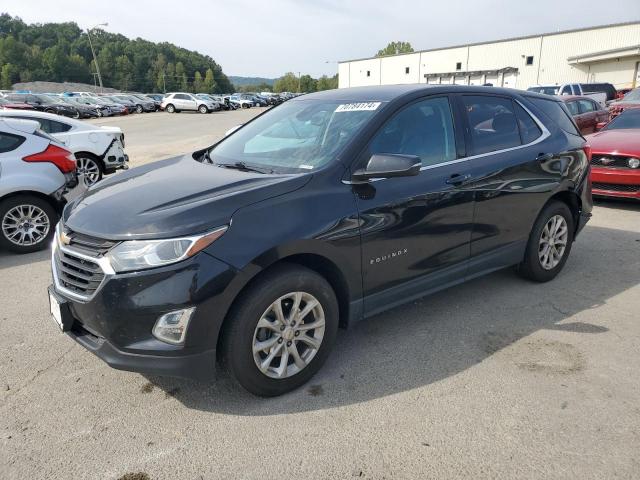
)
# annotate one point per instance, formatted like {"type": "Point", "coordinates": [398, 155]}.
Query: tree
{"type": "Point", "coordinates": [326, 83]}
{"type": "Point", "coordinates": [61, 52]}
{"type": "Point", "coordinates": [197, 83]}
{"type": "Point", "coordinates": [394, 48]}
{"type": "Point", "coordinates": [209, 84]}
{"type": "Point", "coordinates": [307, 84]}
{"type": "Point", "coordinates": [287, 83]}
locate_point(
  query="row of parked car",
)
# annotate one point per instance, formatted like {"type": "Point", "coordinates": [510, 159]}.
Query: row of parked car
{"type": "Point", "coordinates": [613, 133]}
{"type": "Point", "coordinates": [93, 105]}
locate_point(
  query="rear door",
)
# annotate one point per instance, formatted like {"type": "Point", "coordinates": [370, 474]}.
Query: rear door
{"type": "Point", "coordinates": [415, 230]}
{"type": "Point", "coordinates": [588, 116]}
{"type": "Point", "coordinates": [511, 175]}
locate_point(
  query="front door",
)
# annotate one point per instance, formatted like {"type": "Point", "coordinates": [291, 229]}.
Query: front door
{"type": "Point", "coordinates": [415, 230]}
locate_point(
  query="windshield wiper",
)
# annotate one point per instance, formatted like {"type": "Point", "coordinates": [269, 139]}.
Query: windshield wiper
{"type": "Point", "coordinates": [244, 167]}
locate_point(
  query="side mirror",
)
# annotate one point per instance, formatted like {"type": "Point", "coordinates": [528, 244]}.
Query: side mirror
{"type": "Point", "coordinates": [231, 130]}
{"type": "Point", "coordinates": [385, 165]}
{"type": "Point", "coordinates": [600, 126]}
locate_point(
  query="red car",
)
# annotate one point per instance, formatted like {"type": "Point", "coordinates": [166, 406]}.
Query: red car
{"type": "Point", "coordinates": [615, 157]}
{"type": "Point", "coordinates": [587, 113]}
{"type": "Point", "coordinates": [630, 100]}
{"type": "Point", "coordinates": [8, 104]}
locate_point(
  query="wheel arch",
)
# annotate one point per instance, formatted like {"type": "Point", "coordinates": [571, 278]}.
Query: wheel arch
{"type": "Point", "coordinates": [572, 200]}
{"type": "Point", "coordinates": [57, 206]}
{"type": "Point", "coordinates": [91, 155]}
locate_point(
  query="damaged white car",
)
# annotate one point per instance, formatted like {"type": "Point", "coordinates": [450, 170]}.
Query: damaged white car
{"type": "Point", "coordinates": [99, 150]}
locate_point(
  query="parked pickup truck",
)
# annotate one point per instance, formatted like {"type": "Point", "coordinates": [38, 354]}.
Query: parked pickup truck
{"type": "Point", "coordinates": [569, 89]}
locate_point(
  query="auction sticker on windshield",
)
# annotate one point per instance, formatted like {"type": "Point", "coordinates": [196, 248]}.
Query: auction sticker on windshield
{"type": "Point", "coordinates": [357, 107]}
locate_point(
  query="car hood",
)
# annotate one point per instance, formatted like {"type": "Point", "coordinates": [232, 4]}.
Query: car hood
{"type": "Point", "coordinates": [616, 142]}
{"type": "Point", "coordinates": [170, 198]}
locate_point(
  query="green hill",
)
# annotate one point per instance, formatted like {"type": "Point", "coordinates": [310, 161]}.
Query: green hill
{"type": "Point", "coordinates": [242, 81]}
{"type": "Point", "coordinates": [60, 52]}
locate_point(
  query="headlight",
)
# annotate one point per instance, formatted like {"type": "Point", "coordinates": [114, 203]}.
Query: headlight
{"type": "Point", "coordinates": [634, 162]}
{"type": "Point", "coordinates": [142, 254]}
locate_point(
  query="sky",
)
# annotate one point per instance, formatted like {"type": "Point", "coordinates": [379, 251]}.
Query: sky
{"type": "Point", "coordinates": [269, 38]}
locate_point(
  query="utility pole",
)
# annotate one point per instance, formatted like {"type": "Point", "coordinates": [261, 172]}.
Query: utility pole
{"type": "Point", "coordinates": [95, 59]}
{"type": "Point", "coordinates": [164, 85]}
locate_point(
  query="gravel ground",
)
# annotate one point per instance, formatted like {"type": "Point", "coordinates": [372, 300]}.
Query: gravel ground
{"type": "Point", "coordinates": [497, 378]}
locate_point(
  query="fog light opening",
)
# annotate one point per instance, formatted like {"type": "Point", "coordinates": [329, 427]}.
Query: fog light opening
{"type": "Point", "coordinates": [172, 327]}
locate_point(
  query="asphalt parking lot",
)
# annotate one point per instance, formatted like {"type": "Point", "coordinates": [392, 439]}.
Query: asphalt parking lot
{"type": "Point", "coordinates": [496, 378]}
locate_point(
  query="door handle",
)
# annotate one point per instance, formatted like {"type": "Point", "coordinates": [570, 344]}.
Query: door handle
{"type": "Point", "coordinates": [456, 179]}
{"type": "Point", "coordinates": [543, 157]}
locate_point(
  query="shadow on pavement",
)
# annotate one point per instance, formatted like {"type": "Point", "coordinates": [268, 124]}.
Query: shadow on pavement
{"type": "Point", "coordinates": [446, 333]}
{"type": "Point", "coordinates": [10, 259]}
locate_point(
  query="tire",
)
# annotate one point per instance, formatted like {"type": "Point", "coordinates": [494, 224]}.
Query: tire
{"type": "Point", "coordinates": [49, 110]}
{"type": "Point", "coordinates": [543, 239]}
{"type": "Point", "coordinates": [100, 114]}
{"type": "Point", "coordinates": [76, 115]}
{"type": "Point", "coordinates": [255, 304]}
{"type": "Point", "coordinates": [90, 167]}
{"type": "Point", "coordinates": [170, 109]}
{"type": "Point", "coordinates": [9, 210]}
{"type": "Point", "coordinates": [139, 109]}
{"type": "Point", "coordinates": [203, 109]}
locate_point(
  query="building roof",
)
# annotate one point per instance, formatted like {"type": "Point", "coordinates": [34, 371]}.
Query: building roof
{"type": "Point", "coordinates": [509, 39]}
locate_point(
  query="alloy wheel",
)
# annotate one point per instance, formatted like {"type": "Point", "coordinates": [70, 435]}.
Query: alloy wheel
{"type": "Point", "coordinates": [25, 225]}
{"type": "Point", "coordinates": [553, 242]}
{"type": "Point", "coordinates": [89, 170]}
{"type": "Point", "coordinates": [288, 335]}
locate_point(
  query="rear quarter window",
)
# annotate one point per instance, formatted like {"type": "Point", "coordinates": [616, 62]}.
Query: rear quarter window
{"type": "Point", "coordinates": [9, 142]}
{"type": "Point", "coordinates": [556, 112]}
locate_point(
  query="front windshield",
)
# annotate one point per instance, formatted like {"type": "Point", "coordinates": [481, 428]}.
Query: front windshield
{"type": "Point", "coordinates": [295, 137]}
{"type": "Point", "coordinates": [628, 119]}
{"type": "Point", "coordinates": [632, 96]}
{"type": "Point", "coordinates": [546, 90]}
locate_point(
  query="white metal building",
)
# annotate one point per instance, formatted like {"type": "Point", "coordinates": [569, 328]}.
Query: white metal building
{"type": "Point", "coordinates": [607, 53]}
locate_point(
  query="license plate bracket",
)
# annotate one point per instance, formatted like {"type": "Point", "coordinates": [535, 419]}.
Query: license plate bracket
{"type": "Point", "coordinates": [60, 312]}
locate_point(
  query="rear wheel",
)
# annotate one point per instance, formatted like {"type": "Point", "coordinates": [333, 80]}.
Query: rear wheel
{"type": "Point", "coordinates": [281, 332]}
{"type": "Point", "coordinates": [549, 244]}
{"type": "Point", "coordinates": [139, 109]}
{"type": "Point", "coordinates": [27, 223]}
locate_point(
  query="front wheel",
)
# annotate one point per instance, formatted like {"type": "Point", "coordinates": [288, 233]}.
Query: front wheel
{"type": "Point", "coordinates": [203, 109]}
{"type": "Point", "coordinates": [549, 243]}
{"type": "Point", "coordinates": [170, 109]}
{"type": "Point", "coordinates": [281, 331]}
{"type": "Point", "coordinates": [28, 223]}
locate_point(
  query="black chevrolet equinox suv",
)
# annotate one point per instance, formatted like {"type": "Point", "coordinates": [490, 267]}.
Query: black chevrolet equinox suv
{"type": "Point", "coordinates": [322, 211]}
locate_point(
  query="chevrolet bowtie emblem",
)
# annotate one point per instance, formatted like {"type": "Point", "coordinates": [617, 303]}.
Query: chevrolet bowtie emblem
{"type": "Point", "coordinates": [65, 239]}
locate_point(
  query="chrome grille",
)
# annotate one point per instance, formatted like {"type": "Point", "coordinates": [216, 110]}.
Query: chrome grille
{"type": "Point", "coordinates": [610, 161]}
{"type": "Point", "coordinates": [77, 274]}
{"type": "Point", "coordinates": [88, 245]}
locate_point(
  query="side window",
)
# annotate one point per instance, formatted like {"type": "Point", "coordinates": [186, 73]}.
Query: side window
{"type": "Point", "coordinates": [573, 108]}
{"type": "Point", "coordinates": [566, 90]}
{"type": "Point", "coordinates": [9, 142]}
{"type": "Point", "coordinates": [554, 110]}
{"type": "Point", "coordinates": [529, 129]}
{"type": "Point", "coordinates": [493, 123]}
{"type": "Point", "coordinates": [57, 127]}
{"type": "Point", "coordinates": [424, 128]}
{"type": "Point", "coordinates": [586, 106]}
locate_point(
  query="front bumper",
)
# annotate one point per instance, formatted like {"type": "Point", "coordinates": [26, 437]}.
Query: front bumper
{"type": "Point", "coordinates": [616, 182]}
{"type": "Point", "coordinates": [116, 322]}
